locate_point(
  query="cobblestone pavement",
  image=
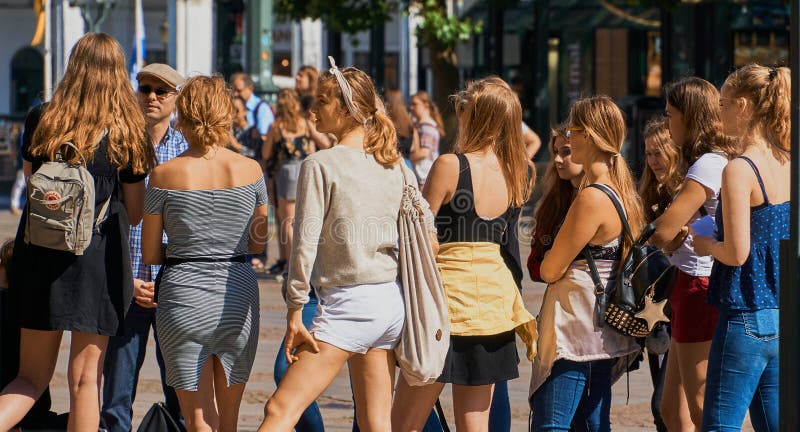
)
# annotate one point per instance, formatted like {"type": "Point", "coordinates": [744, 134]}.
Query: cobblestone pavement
{"type": "Point", "coordinates": [336, 404]}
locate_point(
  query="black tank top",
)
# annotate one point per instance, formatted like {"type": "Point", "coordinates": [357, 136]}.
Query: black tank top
{"type": "Point", "coordinates": [457, 221]}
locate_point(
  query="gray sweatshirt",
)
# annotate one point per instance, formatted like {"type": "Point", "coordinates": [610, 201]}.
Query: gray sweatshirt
{"type": "Point", "coordinates": [345, 226]}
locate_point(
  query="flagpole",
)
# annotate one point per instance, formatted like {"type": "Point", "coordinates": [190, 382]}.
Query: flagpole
{"type": "Point", "coordinates": [48, 52]}
{"type": "Point", "coordinates": [139, 36]}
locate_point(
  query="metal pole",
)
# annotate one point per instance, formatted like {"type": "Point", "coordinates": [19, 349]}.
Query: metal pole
{"type": "Point", "coordinates": [48, 50]}
{"type": "Point", "coordinates": [790, 256]}
{"type": "Point", "coordinates": [259, 40]}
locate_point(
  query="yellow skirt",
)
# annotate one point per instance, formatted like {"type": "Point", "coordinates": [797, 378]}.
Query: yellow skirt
{"type": "Point", "coordinates": [482, 295]}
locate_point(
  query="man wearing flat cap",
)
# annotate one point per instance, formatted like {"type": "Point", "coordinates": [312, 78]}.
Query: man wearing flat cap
{"type": "Point", "coordinates": [158, 86]}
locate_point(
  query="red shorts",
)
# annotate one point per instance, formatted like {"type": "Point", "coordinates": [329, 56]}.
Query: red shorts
{"type": "Point", "coordinates": [692, 320]}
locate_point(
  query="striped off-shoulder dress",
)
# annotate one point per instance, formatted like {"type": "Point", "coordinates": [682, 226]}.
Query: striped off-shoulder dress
{"type": "Point", "coordinates": [208, 302]}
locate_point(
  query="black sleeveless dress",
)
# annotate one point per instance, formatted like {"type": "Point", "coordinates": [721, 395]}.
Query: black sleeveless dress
{"type": "Point", "coordinates": [88, 293]}
{"type": "Point", "coordinates": [480, 360]}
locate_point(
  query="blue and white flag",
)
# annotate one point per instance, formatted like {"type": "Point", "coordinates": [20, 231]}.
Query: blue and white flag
{"type": "Point", "coordinates": [139, 48]}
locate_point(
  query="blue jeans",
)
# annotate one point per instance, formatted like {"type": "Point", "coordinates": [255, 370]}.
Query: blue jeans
{"type": "Point", "coordinates": [743, 372]}
{"type": "Point", "coordinates": [500, 412]}
{"type": "Point", "coordinates": [577, 395]}
{"type": "Point", "coordinates": [311, 420]}
{"type": "Point", "coordinates": [123, 361]}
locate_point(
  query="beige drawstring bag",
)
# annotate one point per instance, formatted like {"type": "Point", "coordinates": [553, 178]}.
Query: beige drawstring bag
{"type": "Point", "coordinates": [423, 347]}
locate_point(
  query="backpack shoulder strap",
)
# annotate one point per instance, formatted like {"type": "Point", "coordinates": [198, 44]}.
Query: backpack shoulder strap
{"type": "Point", "coordinates": [618, 206]}
{"type": "Point", "coordinates": [77, 151]}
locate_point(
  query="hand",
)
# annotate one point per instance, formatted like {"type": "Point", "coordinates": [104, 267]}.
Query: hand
{"type": "Point", "coordinates": [676, 242]}
{"type": "Point", "coordinates": [703, 245]}
{"type": "Point", "coordinates": [297, 336]}
{"type": "Point", "coordinates": [144, 293]}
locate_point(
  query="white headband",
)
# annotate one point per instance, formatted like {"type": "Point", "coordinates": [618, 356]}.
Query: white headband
{"type": "Point", "coordinates": [347, 92]}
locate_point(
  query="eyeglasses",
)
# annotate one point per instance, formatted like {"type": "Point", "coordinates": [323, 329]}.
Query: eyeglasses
{"type": "Point", "coordinates": [159, 91]}
{"type": "Point", "coordinates": [570, 130]}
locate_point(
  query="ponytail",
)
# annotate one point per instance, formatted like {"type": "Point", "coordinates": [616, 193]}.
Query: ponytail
{"type": "Point", "coordinates": [620, 175]}
{"type": "Point", "coordinates": [381, 140]}
{"type": "Point", "coordinates": [768, 90]}
{"type": "Point", "coordinates": [776, 119]}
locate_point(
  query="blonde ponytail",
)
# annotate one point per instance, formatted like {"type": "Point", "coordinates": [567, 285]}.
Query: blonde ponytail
{"type": "Point", "coordinates": [768, 90]}
{"type": "Point", "coordinates": [381, 140]}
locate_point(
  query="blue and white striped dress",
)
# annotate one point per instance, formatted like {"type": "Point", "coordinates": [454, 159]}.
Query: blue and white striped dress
{"type": "Point", "coordinates": [207, 308]}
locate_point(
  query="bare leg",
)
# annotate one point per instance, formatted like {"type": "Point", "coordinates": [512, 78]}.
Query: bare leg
{"type": "Point", "coordinates": [198, 407]}
{"type": "Point", "coordinates": [228, 399]}
{"type": "Point", "coordinates": [84, 376]}
{"type": "Point", "coordinates": [674, 408]}
{"type": "Point", "coordinates": [693, 363]}
{"type": "Point", "coordinates": [38, 354]}
{"type": "Point", "coordinates": [471, 407]}
{"type": "Point", "coordinates": [412, 405]}
{"type": "Point", "coordinates": [305, 380]}
{"type": "Point", "coordinates": [372, 378]}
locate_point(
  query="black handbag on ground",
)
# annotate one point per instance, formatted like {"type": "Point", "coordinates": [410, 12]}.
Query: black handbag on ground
{"type": "Point", "coordinates": [158, 419]}
{"type": "Point", "coordinates": [646, 276]}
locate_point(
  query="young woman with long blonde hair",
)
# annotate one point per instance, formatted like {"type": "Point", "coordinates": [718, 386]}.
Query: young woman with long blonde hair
{"type": "Point", "coordinates": [572, 372]}
{"type": "Point", "coordinates": [95, 109]}
{"type": "Point", "coordinates": [476, 195]}
{"type": "Point", "coordinates": [743, 363]}
{"type": "Point", "coordinates": [693, 118]}
{"type": "Point", "coordinates": [348, 205]}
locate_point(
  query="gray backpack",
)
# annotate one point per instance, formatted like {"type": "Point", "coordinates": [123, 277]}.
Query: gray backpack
{"type": "Point", "coordinates": [61, 213]}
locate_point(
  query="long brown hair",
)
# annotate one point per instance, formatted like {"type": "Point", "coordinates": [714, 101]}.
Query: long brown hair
{"type": "Point", "coordinates": [288, 112]}
{"type": "Point", "coordinates": [205, 111]}
{"type": "Point", "coordinates": [604, 123]}
{"type": "Point", "coordinates": [426, 100]}
{"type": "Point", "coordinates": [653, 192]}
{"type": "Point", "coordinates": [93, 98]}
{"type": "Point", "coordinates": [557, 195]}
{"type": "Point", "coordinates": [490, 114]}
{"type": "Point", "coordinates": [380, 138]}
{"type": "Point", "coordinates": [768, 90]}
{"type": "Point", "coordinates": [398, 112]}
{"type": "Point", "coordinates": [698, 101]}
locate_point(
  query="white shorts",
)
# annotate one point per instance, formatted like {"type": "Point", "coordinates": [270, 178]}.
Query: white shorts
{"type": "Point", "coordinates": [359, 317]}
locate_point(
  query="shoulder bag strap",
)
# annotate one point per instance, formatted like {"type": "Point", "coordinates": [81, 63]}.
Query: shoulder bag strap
{"type": "Point", "coordinates": [618, 206]}
{"type": "Point", "coordinates": [599, 289]}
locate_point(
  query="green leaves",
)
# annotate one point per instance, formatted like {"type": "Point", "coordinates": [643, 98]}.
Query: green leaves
{"type": "Point", "coordinates": [441, 31]}
{"type": "Point", "coordinates": [437, 30]}
{"type": "Point", "coordinates": [344, 16]}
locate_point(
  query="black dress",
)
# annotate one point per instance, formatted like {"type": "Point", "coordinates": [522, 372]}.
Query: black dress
{"type": "Point", "coordinates": [87, 293]}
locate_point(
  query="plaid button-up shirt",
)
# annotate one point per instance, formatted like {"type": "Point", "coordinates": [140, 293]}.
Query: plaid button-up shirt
{"type": "Point", "coordinates": [170, 146]}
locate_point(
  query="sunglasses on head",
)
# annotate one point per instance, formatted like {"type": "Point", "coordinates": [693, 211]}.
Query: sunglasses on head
{"type": "Point", "coordinates": [159, 91]}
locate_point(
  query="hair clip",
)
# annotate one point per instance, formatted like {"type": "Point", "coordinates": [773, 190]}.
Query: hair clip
{"type": "Point", "coordinates": [347, 92]}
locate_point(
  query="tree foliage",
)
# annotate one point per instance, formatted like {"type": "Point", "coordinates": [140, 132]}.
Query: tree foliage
{"type": "Point", "coordinates": [443, 32]}
{"type": "Point", "coordinates": [344, 16]}
{"type": "Point", "coordinates": [438, 30]}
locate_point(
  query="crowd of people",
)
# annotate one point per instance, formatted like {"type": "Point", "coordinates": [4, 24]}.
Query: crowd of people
{"type": "Point", "coordinates": [188, 167]}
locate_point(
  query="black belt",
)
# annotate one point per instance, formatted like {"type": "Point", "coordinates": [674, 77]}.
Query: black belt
{"type": "Point", "coordinates": [175, 261]}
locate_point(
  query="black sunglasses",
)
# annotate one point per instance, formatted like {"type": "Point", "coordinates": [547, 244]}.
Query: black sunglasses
{"type": "Point", "coordinates": [160, 91]}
